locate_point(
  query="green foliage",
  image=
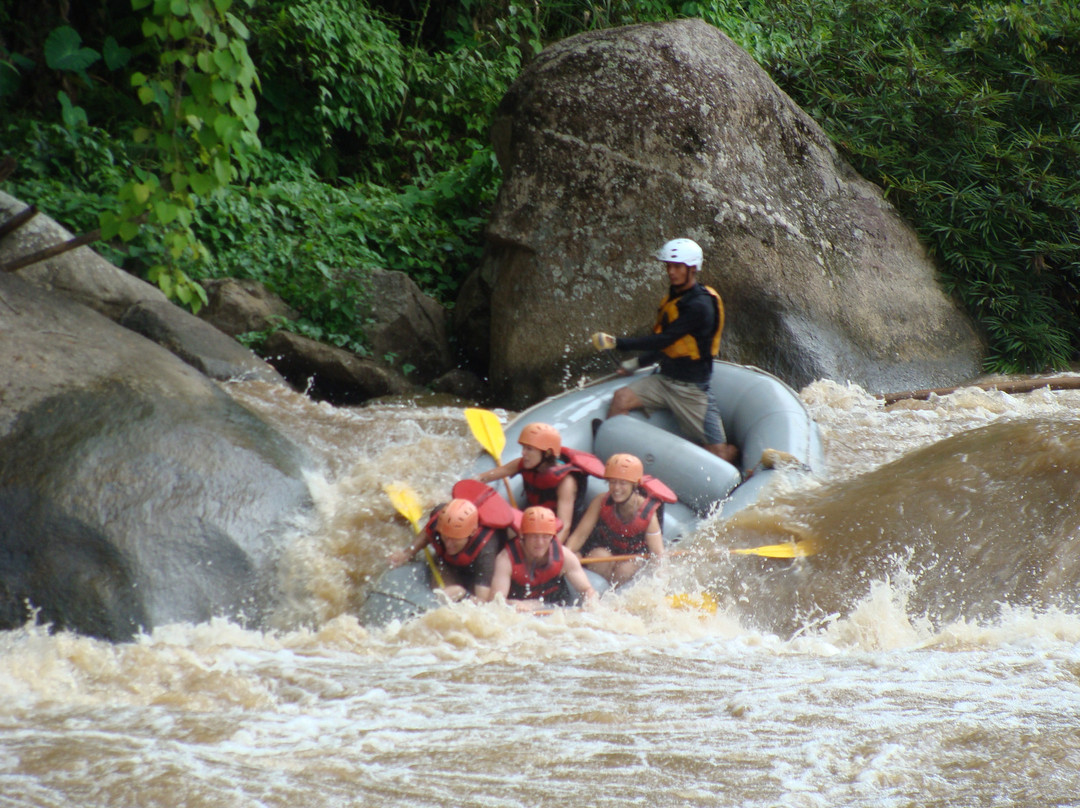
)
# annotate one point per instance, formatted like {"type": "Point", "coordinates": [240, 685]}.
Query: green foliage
{"type": "Point", "coordinates": [332, 71]}
{"type": "Point", "coordinates": [74, 175]}
{"type": "Point", "coordinates": [64, 51]}
{"type": "Point", "coordinates": [967, 115]}
{"type": "Point", "coordinates": [376, 114]}
{"type": "Point", "coordinates": [204, 126]}
{"type": "Point", "coordinates": [314, 245]}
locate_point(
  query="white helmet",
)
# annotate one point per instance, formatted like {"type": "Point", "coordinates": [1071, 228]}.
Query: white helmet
{"type": "Point", "coordinates": [681, 251]}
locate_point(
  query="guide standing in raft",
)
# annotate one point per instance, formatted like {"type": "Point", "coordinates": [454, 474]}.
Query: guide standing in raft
{"type": "Point", "coordinates": [685, 339]}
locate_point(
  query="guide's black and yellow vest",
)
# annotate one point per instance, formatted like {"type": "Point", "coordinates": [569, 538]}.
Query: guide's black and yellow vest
{"type": "Point", "coordinates": [690, 357]}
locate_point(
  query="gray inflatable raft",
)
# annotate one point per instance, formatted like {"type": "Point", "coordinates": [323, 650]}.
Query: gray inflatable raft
{"type": "Point", "coordinates": [761, 414]}
{"type": "Point", "coordinates": [764, 417]}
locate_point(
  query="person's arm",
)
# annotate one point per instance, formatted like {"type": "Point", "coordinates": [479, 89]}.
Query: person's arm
{"type": "Point", "coordinates": [585, 527]}
{"type": "Point", "coordinates": [695, 316]}
{"type": "Point", "coordinates": [485, 571]}
{"type": "Point", "coordinates": [654, 538]}
{"type": "Point", "coordinates": [500, 580]}
{"type": "Point", "coordinates": [400, 557]}
{"type": "Point", "coordinates": [575, 574]}
{"type": "Point", "coordinates": [564, 508]}
{"type": "Point", "coordinates": [505, 470]}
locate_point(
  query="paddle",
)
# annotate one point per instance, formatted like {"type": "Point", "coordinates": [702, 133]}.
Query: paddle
{"type": "Point", "coordinates": [703, 601]}
{"type": "Point", "coordinates": [488, 431]}
{"type": "Point", "coordinates": [791, 549]}
{"type": "Point", "coordinates": [406, 503]}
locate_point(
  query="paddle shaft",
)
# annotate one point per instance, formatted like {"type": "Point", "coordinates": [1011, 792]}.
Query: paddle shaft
{"type": "Point", "coordinates": [787, 550]}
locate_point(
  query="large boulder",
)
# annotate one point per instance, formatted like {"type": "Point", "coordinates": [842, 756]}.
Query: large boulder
{"type": "Point", "coordinates": [197, 342]}
{"type": "Point", "coordinates": [133, 491]}
{"type": "Point", "coordinates": [612, 142]}
{"type": "Point", "coordinates": [80, 274]}
{"type": "Point", "coordinates": [85, 277]}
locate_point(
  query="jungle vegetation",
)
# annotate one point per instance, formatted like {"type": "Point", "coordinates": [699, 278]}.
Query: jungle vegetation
{"type": "Point", "coordinates": [303, 142]}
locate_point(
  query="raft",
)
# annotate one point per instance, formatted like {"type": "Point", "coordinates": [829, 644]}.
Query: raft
{"type": "Point", "coordinates": [762, 415]}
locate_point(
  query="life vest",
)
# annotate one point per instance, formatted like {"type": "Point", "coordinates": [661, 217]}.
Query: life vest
{"type": "Point", "coordinates": [545, 582]}
{"type": "Point", "coordinates": [542, 487]}
{"type": "Point", "coordinates": [688, 345]}
{"type": "Point", "coordinates": [624, 537]}
{"type": "Point", "coordinates": [468, 554]}
{"type": "Point", "coordinates": [492, 509]}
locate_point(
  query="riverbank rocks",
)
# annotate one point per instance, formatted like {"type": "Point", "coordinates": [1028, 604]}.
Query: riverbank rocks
{"type": "Point", "coordinates": [80, 274]}
{"type": "Point", "coordinates": [406, 327]}
{"type": "Point", "coordinates": [238, 305]}
{"type": "Point", "coordinates": [134, 492]}
{"type": "Point", "coordinates": [327, 373]}
{"type": "Point", "coordinates": [612, 142]}
{"type": "Point", "coordinates": [83, 276]}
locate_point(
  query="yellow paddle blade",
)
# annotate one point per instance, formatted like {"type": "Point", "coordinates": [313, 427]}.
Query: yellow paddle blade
{"type": "Point", "coordinates": [406, 503]}
{"type": "Point", "coordinates": [790, 549]}
{"type": "Point", "coordinates": [487, 430]}
{"type": "Point", "coordinates": [702, 601]}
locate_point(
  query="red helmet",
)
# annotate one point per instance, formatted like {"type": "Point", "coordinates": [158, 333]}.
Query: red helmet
{"type": "Point", "coordinates": [458, 520]}
{"type": "Point", "coordinates": [624, 467]}
{"type": "Point", "coordinates": [539, 519]}
{"type": "Point", "coordinates": [544, 437]}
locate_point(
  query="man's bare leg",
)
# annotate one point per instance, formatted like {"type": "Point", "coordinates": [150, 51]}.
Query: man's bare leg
{"type": "Point", "coordinates": [725, 451]}
{"type": "Point", "coordinates": [623, 402]}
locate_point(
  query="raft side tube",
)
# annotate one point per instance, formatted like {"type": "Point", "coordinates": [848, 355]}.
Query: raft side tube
{"type": "Point", "coordinates": [399, 594]}
{"type": "Point", "coordinates": [696, 475]}
{"type": "Point", "coordinates": [761, 412]}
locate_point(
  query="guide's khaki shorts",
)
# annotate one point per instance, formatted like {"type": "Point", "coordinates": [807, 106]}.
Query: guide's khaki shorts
{"type": "Point", "coordinates": [692, 407]}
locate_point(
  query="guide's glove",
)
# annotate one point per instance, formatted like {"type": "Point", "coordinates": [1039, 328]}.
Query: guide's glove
{"type": "Point", "coordinates": [602, 341]}
{"type": "Point", "coordinates": [630, 365]}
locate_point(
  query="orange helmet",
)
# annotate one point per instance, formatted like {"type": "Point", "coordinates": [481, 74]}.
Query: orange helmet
{"type": "Point", "coordinates": [544, 437]}
{"type": "Point", "coordinates": [539, 519]}
{"type": "Point", "coordinates": [458, 520]}
{"type": "Point", "coordinates": [624, 467]}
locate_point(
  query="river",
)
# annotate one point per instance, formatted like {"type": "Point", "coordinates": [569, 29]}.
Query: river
{"type": "Point", "coordinates": [928, 655]}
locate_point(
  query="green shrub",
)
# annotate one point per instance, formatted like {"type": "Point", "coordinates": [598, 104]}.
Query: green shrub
{"type": "Point", "coordinates": [332, 71]}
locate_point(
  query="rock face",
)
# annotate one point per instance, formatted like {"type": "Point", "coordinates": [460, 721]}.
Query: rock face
{"type": "Point", "coordinates": [85, 277]}
{"type": "Point", "coordinates": [81, 275]}
{"type": "Point", "coordinates": [327, 373]}
{"type": "Point", "coordinates": [406, 323]}
{"type": "Point", "coordinates": [197, 342]}
{"type": "Point", "coordinates": [613, 142]}
{"type": "Point", "coordinates": [133, 491]}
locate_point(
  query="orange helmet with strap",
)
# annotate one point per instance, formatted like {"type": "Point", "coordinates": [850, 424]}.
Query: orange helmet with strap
{"type": "Point", "coordinates": [544, 437]}
{"type": "Point", "coordinates": [458, 520]}
{"type": "Point", "coordinates": [624, 467]}
{"type": "Point", "coordinates": [539, 519]}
